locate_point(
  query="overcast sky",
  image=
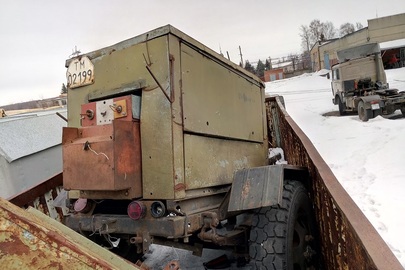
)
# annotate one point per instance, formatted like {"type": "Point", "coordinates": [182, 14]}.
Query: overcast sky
{"type": "Point", "coordinates": [36, 37]}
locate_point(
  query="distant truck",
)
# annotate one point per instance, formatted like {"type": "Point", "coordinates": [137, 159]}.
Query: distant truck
{"type": "Point", "coordinates": [359, 84]}
{"type": "Point", "coordinates": [2, 113]}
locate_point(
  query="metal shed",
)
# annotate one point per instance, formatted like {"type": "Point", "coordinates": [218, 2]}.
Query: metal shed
{"type": "Point", "coordinates": [30, 149]}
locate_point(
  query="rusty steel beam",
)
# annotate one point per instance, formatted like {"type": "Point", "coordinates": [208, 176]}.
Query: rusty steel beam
{"type": "Point", "coordinates": [348, 240]}
{"type": "Point", "coordinates": [27, 197]}
{"type": "Point", "coordinates": [41, 197]}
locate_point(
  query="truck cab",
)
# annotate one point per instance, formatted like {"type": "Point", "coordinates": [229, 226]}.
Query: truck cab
{"type": "Point", "coordinates": [359, 83]}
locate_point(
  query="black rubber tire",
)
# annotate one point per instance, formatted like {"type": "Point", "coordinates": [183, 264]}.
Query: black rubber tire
{"type": "Point", "coordinates": [342, 106]}
{"type": "Point", "coordinates": [364, 114]}
{"type": "Point", "coordinates": [281, 234]}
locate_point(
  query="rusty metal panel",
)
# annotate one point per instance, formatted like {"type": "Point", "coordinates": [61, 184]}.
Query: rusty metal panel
{"type": "Point", "coordinates": [257, 187]}
{"type": "Point", "coordinates": [41, 197]}
{"type": "Point", "coordinates": [219, 102]}
{"type": "Point", "coordinates": [348, 240]}
{"type": "Point", "coordinates": [125, 108]}
{"type": "Point", "coordinates": [32, 240]}
{"type": "Point", "coordinates": [213, 161]}
{"type": "Point", "coordinates": [99, 158]}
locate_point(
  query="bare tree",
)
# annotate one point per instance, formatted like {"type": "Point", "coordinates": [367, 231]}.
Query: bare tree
{"type": "Point", "coordinates": [315, 32]}
{"type": "Point", "coordinates": [294, 59]}
{"type": "Point", "coordinates": [305, 38]}
{"type": "Point", "coordinates": [306, 60]}
{"type": "Point", "coordinates": [315, 29]}
{"type": "Point", "coordinates": [345, 29]}
{"type": "Point", "coordinates": [328, 30]}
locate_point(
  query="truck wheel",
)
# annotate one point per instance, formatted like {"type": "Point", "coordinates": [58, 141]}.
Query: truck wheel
{"type": "Point", "coordinates": [364, 114]}
{"type": "Point", "coordinates": [342, 106]}
{"type": "Point", "coordinates": [403, 111]}
{"type": "Point", "coordinates": [282, 237]}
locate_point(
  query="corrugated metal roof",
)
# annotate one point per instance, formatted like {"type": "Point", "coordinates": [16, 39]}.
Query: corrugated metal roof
{"type": "Point", "coordinates": [28, 134]}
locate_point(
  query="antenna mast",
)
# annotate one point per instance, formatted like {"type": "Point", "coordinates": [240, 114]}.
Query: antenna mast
{"type": "Point", "coordinates": [75, 52]}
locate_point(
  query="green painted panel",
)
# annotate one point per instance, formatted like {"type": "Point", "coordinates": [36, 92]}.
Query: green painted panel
{"type": "Point", "coordinates": [217, 101]}
{"type": "Point", "coordinates": [211, 161]}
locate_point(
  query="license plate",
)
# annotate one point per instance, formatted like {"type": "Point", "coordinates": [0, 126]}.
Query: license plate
{"type": "Point", "coordinates": [80, 72]}
{"type": "Point", "coordinates": [375, 106]}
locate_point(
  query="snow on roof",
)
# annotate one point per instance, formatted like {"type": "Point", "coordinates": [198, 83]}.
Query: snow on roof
{"type": "Point", "coordinates": [281, 65]}
{"type": "Point", "coordinates": [29, 134]}
{"type": "Point", "coordinates": [322, 72]}
{"type": "Point", "coordinates": [392, 44]}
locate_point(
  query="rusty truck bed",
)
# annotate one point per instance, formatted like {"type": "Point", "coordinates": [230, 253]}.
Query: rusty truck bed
{"type": "Point", "coordinates": [348, 240]}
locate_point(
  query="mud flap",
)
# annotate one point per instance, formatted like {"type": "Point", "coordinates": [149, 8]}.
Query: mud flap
{"type": "Point", "coordinates": [258, 187]}
{"type": "Point", "coordinates": [369, 99]}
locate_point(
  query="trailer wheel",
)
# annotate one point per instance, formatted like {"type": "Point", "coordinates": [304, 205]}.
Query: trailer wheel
{"type": "Point", "coordinates": [342, 106]}
{"type": "Point", "coordinates": [364, 114]}
{"type": "Point", "coordinates": [282, 237]}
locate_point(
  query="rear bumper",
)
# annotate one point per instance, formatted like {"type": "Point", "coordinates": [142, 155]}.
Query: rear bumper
{"type": "Point", "coordinates": [170, 227]}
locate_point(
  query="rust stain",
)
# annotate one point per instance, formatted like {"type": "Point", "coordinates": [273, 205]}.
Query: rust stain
{"type": "Point", "coordinates": [27, 242]}
{"type": "Point", "coordinates": [179, 187]}
{"type": "Point", "coordinates": [172, 265]}
{"type": "Point", "coordinates": [246, 189]}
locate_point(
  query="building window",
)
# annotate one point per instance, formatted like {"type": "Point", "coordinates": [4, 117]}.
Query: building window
{"type": "Point", "coordinates": [335, 74]}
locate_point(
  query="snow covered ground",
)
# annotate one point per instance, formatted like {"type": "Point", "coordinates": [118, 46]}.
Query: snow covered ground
{"type": "Point", "coordinates": [366, 157]}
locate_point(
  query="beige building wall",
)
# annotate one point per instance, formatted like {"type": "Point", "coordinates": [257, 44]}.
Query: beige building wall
{"type": "Point", "coordinates": [379, 30]}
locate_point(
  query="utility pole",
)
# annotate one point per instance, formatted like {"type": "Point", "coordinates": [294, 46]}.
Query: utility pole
{"type": "Point", "coordinates": [241, 58]}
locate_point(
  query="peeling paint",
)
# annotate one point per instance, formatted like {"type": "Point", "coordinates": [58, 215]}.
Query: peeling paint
{"type": "Point", "coordinates": [241, 163]}
{"type": "Point", "coordinates": [223, 163]}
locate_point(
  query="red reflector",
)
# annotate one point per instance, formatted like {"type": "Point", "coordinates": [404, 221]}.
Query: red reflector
{"type": "Point", "coordinates": [136, 210]}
